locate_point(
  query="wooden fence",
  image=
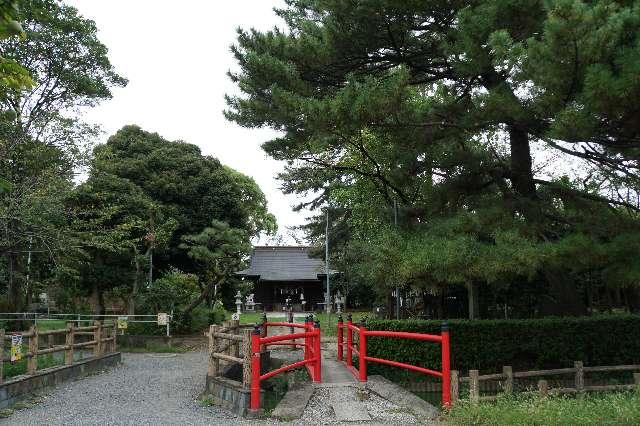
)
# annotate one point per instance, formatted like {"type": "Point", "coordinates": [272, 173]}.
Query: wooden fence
{"type": "Point", "coordinates": [230, 343]}
{"type": "Point", "coordinates": [508, 377]}
{"type": "Point", "coordinates": [103, 340]}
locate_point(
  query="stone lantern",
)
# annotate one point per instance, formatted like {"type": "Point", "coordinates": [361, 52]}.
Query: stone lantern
{"type": "Point", "coordinates": [238, 303]}
{"type": "Point", "coordinates": [302, 302]}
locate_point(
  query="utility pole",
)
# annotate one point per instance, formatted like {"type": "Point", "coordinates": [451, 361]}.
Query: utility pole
{"type": "Point", "coordinates": [326, 264]}
{"type": "Point", "coordinates": [395, 222]}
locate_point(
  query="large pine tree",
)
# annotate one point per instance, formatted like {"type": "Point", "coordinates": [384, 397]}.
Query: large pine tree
{"type": "Point", "coordinates": [506, 130]}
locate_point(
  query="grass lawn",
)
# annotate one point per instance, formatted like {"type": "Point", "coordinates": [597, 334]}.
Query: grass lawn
{"type": "Point", "coordinates": [328, 322]}
{"type": "Point", "coordinates": [44, 361]}
{"type": "Point", "coordinates": [617, 408]}
{"type": "Point", "coordinates": [44, 325]}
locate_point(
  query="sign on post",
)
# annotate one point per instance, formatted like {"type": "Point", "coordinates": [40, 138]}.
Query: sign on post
{"type": "Point", "coordinates": [16, 347]}
{"type": "Point", "coordinates": [163, 318]}
{"type": "Point", "coordinates": [122, 323]}
{"type": "Point", "coordinates": [235, 316]}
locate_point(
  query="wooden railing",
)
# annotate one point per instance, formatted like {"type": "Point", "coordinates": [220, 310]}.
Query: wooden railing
{"type": "Point", "coordinates": [508, 376]}
{"type": "Point", "coordinates": [103, 341]}
{"type": "Point", "coordinates": [230, 343]}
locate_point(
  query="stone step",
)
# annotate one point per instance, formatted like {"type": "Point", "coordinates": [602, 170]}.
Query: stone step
{"type": "Point", "coordinates": [293, 404]}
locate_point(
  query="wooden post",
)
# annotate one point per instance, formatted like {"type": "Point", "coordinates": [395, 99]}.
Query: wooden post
{"type": "Point", "coordinates": [543, 388]}
{"type": "Point", "coordinates": [97, 336]}
{"type": "Point", "coordinates": [247, 353]}
{"type": "Point", "coordinates": [636, 380]}
{"type": "Point", "coordinates": [70, 339]}
{"type": "Point", "coordinates": [214, 363]}
{"type": "Point", "coordinates": [236, 344]}
{"type": "Point", "coordinates": [474, 386]}
{"type": "Point", "coordinates": [455, 386]}
{"type": "Point", "coordinates": [1, 354]}
{"type": "Point", "coordinates": [508, 379]}
{"type": "Point", "coordinates": [579, 377]}
{"type": "Point", "coordinates": [115, 336]}
{"type": "Point", "coordinates": [32, 362]}
{"type": "Point", "coordinates": [50, 341]}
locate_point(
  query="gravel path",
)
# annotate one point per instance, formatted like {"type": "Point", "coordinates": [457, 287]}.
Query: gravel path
{"type": "Point", "coordinates": [162, 389]}
{"type": "Point", "coordinates": [147, 389]}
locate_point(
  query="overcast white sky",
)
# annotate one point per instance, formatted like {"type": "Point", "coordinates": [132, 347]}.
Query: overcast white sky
{"type": "Point", "coordinates": [176, 55]}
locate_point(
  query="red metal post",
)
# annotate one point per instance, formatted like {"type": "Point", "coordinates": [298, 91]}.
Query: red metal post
{"type": "Point", "coordinates": [349, 342]}
{"type": "Point", "coordinates": [340, 338]}
{"type": "Point", "coordinates": [264, 330]}
{"type": "Point", "coordinates": [446, 366]}
{"type": "Point", "coordinates": [317, 373]}
{"type": "Point", "coordinates": [307, 328]}
{"type": "Point", "coordinates": [362, 352]}
{"type": "Point", "coordinates": [255, 369]}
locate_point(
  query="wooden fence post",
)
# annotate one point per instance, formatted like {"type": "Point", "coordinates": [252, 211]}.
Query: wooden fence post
{"type": "Point", "coordinates": [247, 354]}
{"type": "Point", "coordinates": [508, 379]}
{"type": "Point", "coordinates": [115, 336]}
{"type": "Point", "coordinates": [474, 386]}
{"type": "Point", "coordinates": [236, 344]}
{"type": "Point", "coordinates": [32, 362]}
{"type": "Point", "coordinates": [214, 363]}
{"type": "Point", "coordinates": [579, 377]}
{"type": "Point", "coordinates": [97, 336]}
{"type": "Point", "coordinates": [70, 339]}
{"type": "Point", "coordinates": [1, 354]}
{"type": "Point", "coordinates": [455, 386]}
{"type": "Point", "coordinates": [636, 380]}
{"type": "Point", "coordinates": [543, 388]}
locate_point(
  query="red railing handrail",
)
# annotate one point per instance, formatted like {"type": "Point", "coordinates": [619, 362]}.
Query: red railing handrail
{"type": "Point", "coordinates": [361, 352]}
{"type": "Point", "coordinates": [352, 327]}
{"type": "Point", "coordinates": [404, 335]}
{"type": "Point", "coordinates": [281, 337]}
{"type": "Point", "coordinates": [403, 365]}
{"type": "Point", "coordinates": [312, 355]}
{"type": "Point", "coordinates": [285, 324]}
{"type": "Point", "coordinates": [297, 364]}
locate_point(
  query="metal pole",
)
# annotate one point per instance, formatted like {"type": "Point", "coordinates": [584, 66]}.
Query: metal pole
{"type": "Point", "coordinates": [395, 222]}
{"type": "Point", "coordinates": [326, 265]}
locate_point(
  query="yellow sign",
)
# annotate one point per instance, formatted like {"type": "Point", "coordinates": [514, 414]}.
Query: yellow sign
{"type": "Point", "coordinates": [163, 318]}
{"type": "Point", "coordinates": [16, 347]}
{"type": "Point", "coordinates": [122, 323]}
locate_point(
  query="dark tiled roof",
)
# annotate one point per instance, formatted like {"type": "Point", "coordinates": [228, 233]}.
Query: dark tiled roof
{"type": "Point", "coordinates": [284, 263]}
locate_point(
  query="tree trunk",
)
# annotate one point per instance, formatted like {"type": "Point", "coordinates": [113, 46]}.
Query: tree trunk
{"type": "Point", "coordinates": [203, 296]}
{"type": "Point", "coordinates": [521, 163]}
{"type": "Point", "coordinates": [15, 299]}
{"type": "Point", "coordinates": [474, 303]}
{"type": "Point", "coordinates": [131, 310]}
{"type": "Point", "coordinates": [97, 299]}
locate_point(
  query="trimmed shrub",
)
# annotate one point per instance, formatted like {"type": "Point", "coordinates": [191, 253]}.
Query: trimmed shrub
{"type": "Point", "coordinates": [487, 345]}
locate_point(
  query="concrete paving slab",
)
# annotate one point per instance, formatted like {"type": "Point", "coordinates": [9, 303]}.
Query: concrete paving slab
{"type": "Point", "coordinates": [350, 411]}
{"type": "Point", "coordinates": [293, 404]}
{"type": "Point", "coordinates": [402, 397]}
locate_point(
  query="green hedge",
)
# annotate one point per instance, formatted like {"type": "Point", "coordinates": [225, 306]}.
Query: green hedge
{"type": "Point", "coordinates": [487, 345]}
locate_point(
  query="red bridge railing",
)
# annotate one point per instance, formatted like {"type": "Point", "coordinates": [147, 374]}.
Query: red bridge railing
{"type": "Point", "coordinates": [311, 358]}
{"type": "Point", "coordinates": [360, 350]}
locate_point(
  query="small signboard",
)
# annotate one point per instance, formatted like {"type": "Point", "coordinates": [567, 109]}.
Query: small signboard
{"type": "Point", "coordinates": [235, 316]}
{"type": "Point", "coordinates": [163, 318]}
{"type": "Point", "coordinates": [16, 347]}
{"type": "Point", "coordinates": [122, 323]}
